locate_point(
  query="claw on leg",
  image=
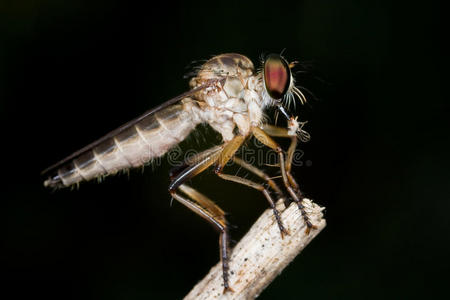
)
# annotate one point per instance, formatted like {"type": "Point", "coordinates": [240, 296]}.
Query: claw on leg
{"type": "Point", "coordinates": [227, 289]}
{"type": "Point", "coordinates": [285, 165]}
{"type": "Point", "coordinates": [284, 232]}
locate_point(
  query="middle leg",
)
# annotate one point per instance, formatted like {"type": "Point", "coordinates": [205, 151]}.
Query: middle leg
{"type": "Point", "coordinates": [264, 191]}
{"type": "Point", "coordinates": [225, 156]}
{"type": "Point", "coordinates": [228, 154]}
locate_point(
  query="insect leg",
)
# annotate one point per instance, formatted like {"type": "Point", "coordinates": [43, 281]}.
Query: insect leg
{"type": "Point", "coordinates": [219, 155]}
{"type": "Point", "coordinates": [205, 160]}
{"type": "Point", "coordinates": [225, 156]}
{"type": "Point", "coordinates": [207, 209]}
{"type": "Point", "coordinates": [228, 152]}
{"type": "Point", "coordinates": [271, 183]}
{"type": "Point", "coordinates": [297, 197]}
{"type": "Point", "coordinates": [190, 161]}
{"type": "Point", "coordinates": [276, 131]}
{"type": "Point", "coordinates": [260, 174]}
{"type": "Point", "coordinates": [265, 192]}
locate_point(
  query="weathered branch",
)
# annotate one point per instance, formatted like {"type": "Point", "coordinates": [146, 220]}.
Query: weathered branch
{"type": "Point", "coordinates": [261, 254]}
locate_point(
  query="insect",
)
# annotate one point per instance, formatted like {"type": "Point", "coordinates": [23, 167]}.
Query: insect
{"type": "Point", "coordinates": [229, 95]}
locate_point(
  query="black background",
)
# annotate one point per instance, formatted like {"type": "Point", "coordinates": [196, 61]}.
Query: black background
{"type": "Point", "coordinates": [71, 71]}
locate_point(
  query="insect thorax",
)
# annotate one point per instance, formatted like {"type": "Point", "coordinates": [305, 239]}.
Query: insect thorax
{"type": "Point", "coordinates": [234, 99]}
{"type": "Point", "coordinates": [221, 66]}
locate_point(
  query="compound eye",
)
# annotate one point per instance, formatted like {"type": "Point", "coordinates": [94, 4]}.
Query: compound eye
{"type": "Point", "coordinates": [277, 76]}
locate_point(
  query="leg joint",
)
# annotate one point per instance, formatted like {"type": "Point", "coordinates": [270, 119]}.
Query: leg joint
{"type": "Point", "coordinates": [218, 169]}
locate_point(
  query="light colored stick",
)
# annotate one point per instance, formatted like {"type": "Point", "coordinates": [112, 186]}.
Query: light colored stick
{"type": "Point", "coordinates": [261, 254]}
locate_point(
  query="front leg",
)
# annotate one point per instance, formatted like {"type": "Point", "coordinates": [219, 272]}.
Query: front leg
{"type": "Point", "coordinates": [295, 133]}
{"type": "Point", "coordinates": [288, 180]}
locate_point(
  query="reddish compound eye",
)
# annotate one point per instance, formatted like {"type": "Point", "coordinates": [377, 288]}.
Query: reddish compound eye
{"type": "Point", "coordinates": [277, 76]}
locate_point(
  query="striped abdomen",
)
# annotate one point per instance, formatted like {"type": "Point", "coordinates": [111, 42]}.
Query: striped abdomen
{"type": "Point", "coordinates": [132, 146]}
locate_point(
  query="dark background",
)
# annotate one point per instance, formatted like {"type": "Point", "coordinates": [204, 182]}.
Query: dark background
{"type": "Point", "coordinates": [71, 71]}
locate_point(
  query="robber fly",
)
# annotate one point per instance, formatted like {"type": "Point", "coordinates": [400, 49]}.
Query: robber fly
{"type": "Point", "coordinates": [231, 97]}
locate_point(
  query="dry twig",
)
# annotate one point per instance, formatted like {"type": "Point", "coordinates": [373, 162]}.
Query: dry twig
{"type": "Point", "coordinates": [261, 254]}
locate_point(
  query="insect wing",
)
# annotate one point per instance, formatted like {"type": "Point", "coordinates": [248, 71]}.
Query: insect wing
{"type": "Point", "coordinates": [124, 127]}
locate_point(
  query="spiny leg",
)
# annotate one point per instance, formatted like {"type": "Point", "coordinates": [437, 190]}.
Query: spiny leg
{"type": "Point", "coordinates": [289, 158]}
{"type": "Point", "coordinates": [294, 132]}
{"type": "Point", "coordinates": [195, 159]}
{"type": "Point", "coordinates": [276, 131]}
{"type": "Point", "coordinates": [225, 156]}
{"type": "Point", "coordinates": [202, 161]}
{"type": "Point", "coordinates": [199, 164]}
{"type": "Point", "coordinates": [202, 205]}
{"type": "Point", "coordinates": [228, 152]}
{"type": "Point", "coordinates": [261, 188]}
{"type": "Point", "coordinates": [265, 192]}
{"type": "Point", "coordinates": [292, 189]}
{"type": "Point", "coordinates": [260, 174]}
{"type": "Point", "coordinates": [208, 210]}
{"type": "Point", "coordinates": [264, 138]}
{"type": "Point", "coordinates": [266, 178]}
{"type": "Point", "coordinates": [288, 133]}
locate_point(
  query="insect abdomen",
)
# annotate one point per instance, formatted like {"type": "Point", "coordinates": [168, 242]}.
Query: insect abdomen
{"type": "Point", "coordinates": [150, 138]}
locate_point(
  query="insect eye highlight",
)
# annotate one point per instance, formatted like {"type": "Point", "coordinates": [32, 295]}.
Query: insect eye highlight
{"type": "Point", "coordinates": [277, 76]}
